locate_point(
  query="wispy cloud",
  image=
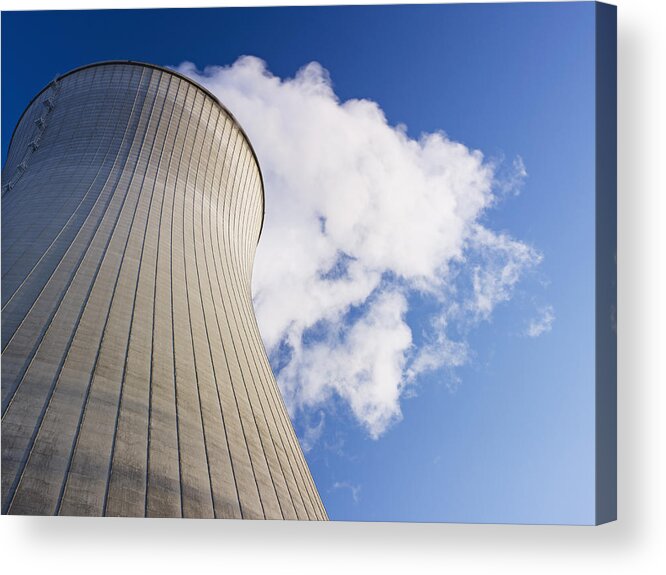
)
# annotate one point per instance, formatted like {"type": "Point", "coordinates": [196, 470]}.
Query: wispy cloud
{"type": "Point", "coordinates": [510, 178]}
{"type": "Point", "coordinates": [543, 323]}
{"type": "Point", "coordinates": [355, 490]}
{"type": "Point", "coordinates": [360, 219]}
{"type": "Point", "coordinates": [312, 432]}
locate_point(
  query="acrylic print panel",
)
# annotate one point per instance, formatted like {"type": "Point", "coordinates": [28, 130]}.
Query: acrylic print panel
{"type": "Point", "coordinates": [347, 263]}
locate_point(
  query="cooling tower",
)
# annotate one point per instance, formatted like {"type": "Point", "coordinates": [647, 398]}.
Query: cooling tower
{"type": "Point", "coordinates": [134, 378]}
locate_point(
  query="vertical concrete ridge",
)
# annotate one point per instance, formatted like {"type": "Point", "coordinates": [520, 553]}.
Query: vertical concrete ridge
{"type": "Point", "coordinates": [134, 379]}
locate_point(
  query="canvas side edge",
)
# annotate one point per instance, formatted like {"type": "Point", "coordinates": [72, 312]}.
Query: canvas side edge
{"type": "Point", "coordinates": [606, 263]}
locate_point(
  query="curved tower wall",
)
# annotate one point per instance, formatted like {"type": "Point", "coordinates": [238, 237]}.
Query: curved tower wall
{"type": "Point", "coordinates": [134, 378]}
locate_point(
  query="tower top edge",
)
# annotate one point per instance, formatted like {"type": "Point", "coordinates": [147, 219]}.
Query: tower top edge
{"type": "Point", "coordinates": [175, 73]}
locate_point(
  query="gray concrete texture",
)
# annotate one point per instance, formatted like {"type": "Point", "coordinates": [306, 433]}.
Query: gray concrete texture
{"type": "Point", "coordinates": [134, 378]}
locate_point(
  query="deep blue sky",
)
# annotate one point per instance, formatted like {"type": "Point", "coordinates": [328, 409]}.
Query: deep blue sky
{"type": "Point", "coordinates": [514, 443]}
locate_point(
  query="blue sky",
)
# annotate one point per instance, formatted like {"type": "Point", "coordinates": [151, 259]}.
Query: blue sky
{"type": "Point", "coordinates": [508, 436]}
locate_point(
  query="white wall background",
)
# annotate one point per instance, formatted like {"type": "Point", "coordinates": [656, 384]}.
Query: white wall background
{"type": "Point", "coordinates": [636, 543]}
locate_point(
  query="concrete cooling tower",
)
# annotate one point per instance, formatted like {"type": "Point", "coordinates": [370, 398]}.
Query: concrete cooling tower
{"type": "Point", "coordinates": [134, 378]}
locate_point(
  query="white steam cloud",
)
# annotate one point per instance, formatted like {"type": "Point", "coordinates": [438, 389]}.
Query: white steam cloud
{"type": "Point", "coordinates": [360, 221]}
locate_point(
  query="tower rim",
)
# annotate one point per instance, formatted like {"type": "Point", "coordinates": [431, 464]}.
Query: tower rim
{"type": "Point", "coordinates": [194, 83]}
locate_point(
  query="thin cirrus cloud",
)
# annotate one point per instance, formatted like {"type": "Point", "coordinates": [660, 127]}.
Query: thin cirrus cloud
{"type": "Point", "coordinates": [361, 221]}
{"type": "Point", "coordinates": [542, 323]}
{"type": "Point", "coordinates": [354, 490]}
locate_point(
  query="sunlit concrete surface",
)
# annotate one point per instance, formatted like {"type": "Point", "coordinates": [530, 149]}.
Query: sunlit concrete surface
{"type": "Point", "coordinates": [134, 378]}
